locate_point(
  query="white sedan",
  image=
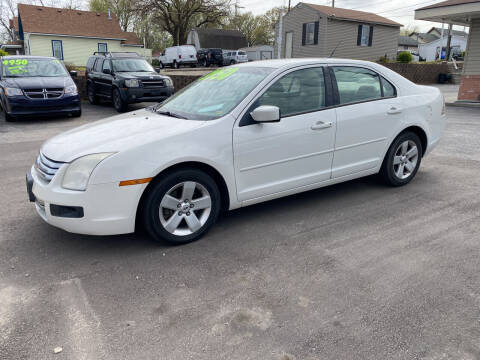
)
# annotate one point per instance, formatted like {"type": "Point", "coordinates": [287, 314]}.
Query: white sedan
{"type": "Point", "coordinates": [238, 136]}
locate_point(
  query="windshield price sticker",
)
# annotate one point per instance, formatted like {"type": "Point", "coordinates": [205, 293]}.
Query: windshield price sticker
{"type": "Point", "coordinates": [220, 74]}
{"type": "Point", "coordinates": [15, 66]}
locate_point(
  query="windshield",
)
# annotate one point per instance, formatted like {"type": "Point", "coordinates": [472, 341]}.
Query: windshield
{"type": "Point", "coordinates": [23, 67]}
{"type": "Point", "coordinates": [215, 94]}
{"type": "Point", "coordinates": [131, 65]}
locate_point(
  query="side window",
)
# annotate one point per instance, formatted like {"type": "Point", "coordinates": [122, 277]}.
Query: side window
{"type": "Point", "coordinates": [98, 65]}
{"type": "Point", "coordinates": [298, 92]}
{"type": "Point", "coordinates": [357, 84]}
{"type": "Point", "coordinates": [388, 88]}
{"type": "Point", "coordinates": [90, 62]}
{"type": "Point", "coordinates": [106, 65]}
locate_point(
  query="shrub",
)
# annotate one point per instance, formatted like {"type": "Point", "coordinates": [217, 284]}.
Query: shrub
{"type": "Point", "coordinates": [383, 59]}
{"type": "Point", "coordinates": [70, 66]}
{"type": "Point", "coordinates": [404, 57]}
{"type": "Point", "coordinates": [155, 62]}
{"type": "Point", "coordinates": [463, 54]}
{"type": "Point", "coordinates": [3, 52]}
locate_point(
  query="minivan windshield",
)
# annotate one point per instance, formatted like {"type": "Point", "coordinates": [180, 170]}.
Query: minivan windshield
{"type": "Point", "coordinates": [30, 67]}
{"type": "Point", "coordinates": [131, 65]}
{"type": "Point", "coordinates": [215, 94]}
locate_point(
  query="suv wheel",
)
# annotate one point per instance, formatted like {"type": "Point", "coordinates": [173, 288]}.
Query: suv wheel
{"type": "Point", "coordinates": [181, 206]}
{"type": "Point", "coordinates": [92, 96]}
{"type": "Point", "coordinates": [118, 103]}
{"type": "Point", "coordinates": [175, 65]}
{"type": "Point", "coordinates": [204, 63]}
{"type": "Point", "coordinates": [232, 62]}
{"type": "Point", "coordinates": [402, 160]}
{"type": "Point", "coordinates": [161, 66]}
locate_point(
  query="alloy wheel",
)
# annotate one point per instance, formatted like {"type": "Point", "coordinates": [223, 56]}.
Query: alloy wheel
{"type": "Point", "coordinates": [405, 159]}
{"type": "Point", "coordinates": [185, 208]}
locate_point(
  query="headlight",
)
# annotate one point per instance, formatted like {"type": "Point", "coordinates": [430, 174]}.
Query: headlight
{"type": "Point", "coordinates": [131, 83]}
{"type": "Point", "coordinates": [78, 172]}
{"type": "Point", "coordinates": [168, 81]}
{"type": "Point", "coordinates": [71, 90]}
{"type": "Point", "coordinates": [13, 91]}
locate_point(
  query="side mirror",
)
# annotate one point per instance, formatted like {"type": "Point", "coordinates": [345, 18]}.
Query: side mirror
{"type": "Point", "coordinates": [266, 113]}
{"type": "Point", "coordinates": [73, 73]}
{"type": "Point", "coordinates": [107, 71]}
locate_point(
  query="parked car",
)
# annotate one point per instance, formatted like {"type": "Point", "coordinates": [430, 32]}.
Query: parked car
{"type": "Point", "coordinates": [37, 85]}
{"type": "Point", "coordinates": [124, 78]}
{"type": "Point", "coordinates": [207, 57]}
{"type": "Point", "coordinates": [238, 136]}
{"type": "Point", "coordinates": [234, 57]}
{"type": "Point", "coordinates": [177, 56]}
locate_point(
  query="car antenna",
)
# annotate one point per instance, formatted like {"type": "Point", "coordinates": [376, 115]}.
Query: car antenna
{"type": "Point", "coordinates": [333, 52]}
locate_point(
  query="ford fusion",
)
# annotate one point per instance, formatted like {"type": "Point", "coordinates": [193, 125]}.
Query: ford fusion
{"type": "Point", "coordinates": [237, 136]}
{"type": "Point", "coordinates": [36, 85]}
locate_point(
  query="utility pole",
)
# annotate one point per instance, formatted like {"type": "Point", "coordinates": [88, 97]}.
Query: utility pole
{"type": "Point", "coordinates": [333, 3]}
{"type": "Point", "coordinates": [288, 5]}
{"type": "Point", "coordinates": [449, 41]}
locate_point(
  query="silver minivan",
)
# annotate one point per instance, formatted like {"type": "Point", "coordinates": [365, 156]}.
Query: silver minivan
{"type": "Point", "coordinates": [231, 57]}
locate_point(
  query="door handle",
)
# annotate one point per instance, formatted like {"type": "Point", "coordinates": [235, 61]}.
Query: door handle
{"type": "Point", "coordinates": [394, 110]}
{"type": "Point", "coordinates": [319, 125]}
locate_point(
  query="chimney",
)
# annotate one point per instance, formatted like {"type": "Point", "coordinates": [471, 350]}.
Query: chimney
{"type": "Point", "coordinates": [109, 15]}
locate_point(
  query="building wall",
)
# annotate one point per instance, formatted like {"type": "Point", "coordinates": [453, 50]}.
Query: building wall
{"type": "Point", "coordinates": [335, 34]}
{"type": "Point", "coordinates": [75, 50]}
{"type": "Point", "coordinates": [344, 34]}
{"type": "Point", "coordinates": [472, 61]}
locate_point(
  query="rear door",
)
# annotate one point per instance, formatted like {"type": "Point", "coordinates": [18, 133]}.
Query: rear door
{"type": "Point", "coordinates": [368, 113]}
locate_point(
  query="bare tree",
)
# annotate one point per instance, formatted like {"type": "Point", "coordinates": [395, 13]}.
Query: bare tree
{"type": "Point", "coordinates": [125, 10]}
{"type": "Point", "coordinates": [8, 11]}
{"type": "Point", "coordinates": [177, 17]}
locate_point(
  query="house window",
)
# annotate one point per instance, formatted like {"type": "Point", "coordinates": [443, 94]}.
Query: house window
{"type": "Point", "coordinates": [365, 35]}
{"type": "Point", "coordinates": [57, 49]}
{"type": "Point", "coordinates": [102, 47]}
{"type": "Point", "coordinates": [310, 33]}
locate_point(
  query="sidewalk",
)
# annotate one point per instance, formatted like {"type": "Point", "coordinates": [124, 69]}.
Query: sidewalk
{"type": "Point", "coordinates": [450, 92]}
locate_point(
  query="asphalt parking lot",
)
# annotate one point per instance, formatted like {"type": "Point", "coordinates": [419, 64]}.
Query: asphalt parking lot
{"type": "Point", "coordinates": [353, 271]}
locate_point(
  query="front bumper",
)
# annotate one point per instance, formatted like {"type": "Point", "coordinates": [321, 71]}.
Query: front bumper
{"type": "Point", "coordinates": [106, 209]}
{"type": "Point", "coordinates": [133, 95]}
{"type": "Point", "coordinates": [23, 106]}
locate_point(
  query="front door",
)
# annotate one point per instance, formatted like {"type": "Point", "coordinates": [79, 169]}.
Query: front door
{"type": "Point", "coordinates": [288, 45]}
{"type": "Point", "coordinates": [297, 151]}
{"type": "Point", "coordinates": [368, 115]}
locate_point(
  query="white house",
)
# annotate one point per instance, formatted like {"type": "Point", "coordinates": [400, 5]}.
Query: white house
{"type": "Point", "coordinates": [431, 51]}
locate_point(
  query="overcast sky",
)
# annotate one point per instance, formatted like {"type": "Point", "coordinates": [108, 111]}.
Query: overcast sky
{"type": "Point", "coordinates": [401, 11]}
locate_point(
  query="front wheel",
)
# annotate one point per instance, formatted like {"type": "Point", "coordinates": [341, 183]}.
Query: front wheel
{"type": "Point", "coordinates": [118, 103]}
{"type": "Point", "coordinates": [402, 160]}
{"type": "Point", "coordinates": [175, 65]}
{"type": "Point", "coordinates": [181, 206]}
{"type": "Point", "coordinates": [92, 96]}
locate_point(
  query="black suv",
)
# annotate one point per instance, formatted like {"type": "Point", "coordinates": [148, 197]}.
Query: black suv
{"type": "Point", "coordinates": [125, 78]}
{"type": "Point", "coordinates": [207, 57]}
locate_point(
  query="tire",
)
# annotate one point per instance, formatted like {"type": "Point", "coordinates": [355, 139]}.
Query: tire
{"type": "Point", "coordinates": [77, 113]}
{"type": "Point", "coordinates": [161, 66]}
{"type": "Point", "coordinates": [402, 160]}
{"type": "Point", "coordinates": [168, 214]}
{"type": "Point", "coordinates": [204, 62]}
{"type": "Point", "coordinates": [118, 103]}
{"type": "Point", "coordinates": [92, 96]}
{"type": "Point", "coordinates": [8, 117]}
{"type": "Point", "coordinates": [232, 62]}
{"type": "Point", "coordinates": [176, 65]}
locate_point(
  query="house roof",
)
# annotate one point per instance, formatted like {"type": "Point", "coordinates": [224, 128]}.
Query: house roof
{"type": "Point", "coordinates": [445, 31]}
{"type": "Point", "coordinates": [448, 3]}
{"type": "Point", "coordinates": [425, 36]}
{"type": "Point", "coordinates": [407, 41]}
{"type": "Point", "coordinates": [355, 15]}
{"type": "Point", "coordinates": [48, 20]}
{"type": "Point", "coordinates": [131, 39]}
{"type": "Point", "coordinates": [220, 38]}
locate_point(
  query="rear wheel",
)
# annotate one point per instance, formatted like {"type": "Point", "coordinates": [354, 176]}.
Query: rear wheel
{"type": "Point", "coordinates": [402, 160]}
{"type": "Point", "coordinates": [92, 96]}
{"type": "Point", "coordinates": [118, 103]}
{"type": "Point", "coordinates": [181, 207]}
{"type": "Point", "coordinates": [175, 65]}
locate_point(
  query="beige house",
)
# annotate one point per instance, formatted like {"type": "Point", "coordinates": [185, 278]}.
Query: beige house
{"type": "Point", "coordinates": [72, 35]}
{"type": "Point", "coordinates": [310, 30]}
{"type": "Point", "coordinates": [465, 13]}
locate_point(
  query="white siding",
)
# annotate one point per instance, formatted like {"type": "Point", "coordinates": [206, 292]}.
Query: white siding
{"type": "Point", "coordinates": [472, 61]}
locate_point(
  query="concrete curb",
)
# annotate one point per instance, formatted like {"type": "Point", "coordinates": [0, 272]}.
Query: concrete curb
{"type": "Point", "coordinates": [467, 104]}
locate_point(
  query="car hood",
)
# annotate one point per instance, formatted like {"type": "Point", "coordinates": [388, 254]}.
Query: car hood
{"type": "Point", "coordinates": [115, 134]}
{"type": "Point", "coordinates": [140, 75]}
{"type": "Point", "coordinates": [38, 82]}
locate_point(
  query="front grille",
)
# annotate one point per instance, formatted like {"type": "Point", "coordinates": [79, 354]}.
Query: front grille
{"type": "Point", "coordinates": [46, 167]}
{"type": "Point", "coordinates": [47, 93]}
{"type": "Point", "coordinates": [151, 84]}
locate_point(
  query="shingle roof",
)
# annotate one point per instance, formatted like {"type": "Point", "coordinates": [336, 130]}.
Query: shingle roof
{"type": "Point", "coordinates": [220, 38]}
{"type": "Point", "coordinates": [449, 3]}
{"type": "Point", "coordinates": [48, 20]}
{"type": "Point", "coordinates": [356, 15]}
{"type": "Point", "coordinates": [445, 31]}
{"type": "Point", "coordinates": [131, 39]}
{"type": "Point", "coordinates": [407, 41]}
